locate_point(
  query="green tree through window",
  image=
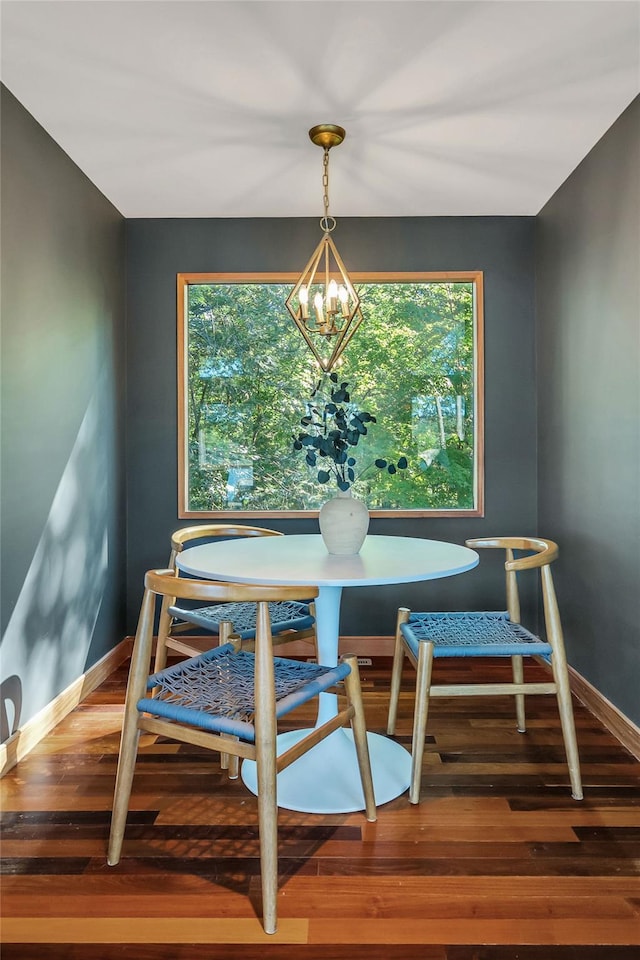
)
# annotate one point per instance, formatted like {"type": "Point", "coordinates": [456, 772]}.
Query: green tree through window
{"type": "Point", "coordinates": [414, 364]}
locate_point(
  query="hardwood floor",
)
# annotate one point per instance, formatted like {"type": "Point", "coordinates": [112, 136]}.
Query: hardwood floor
{"type": "Point", "coordinates": [496, 863]}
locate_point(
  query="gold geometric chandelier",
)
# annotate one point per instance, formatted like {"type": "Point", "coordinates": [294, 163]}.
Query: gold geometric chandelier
{"type": "Point", "coordinates": [324, 304]}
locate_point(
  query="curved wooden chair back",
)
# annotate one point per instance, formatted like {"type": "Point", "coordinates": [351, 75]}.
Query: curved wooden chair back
{"type": "Point", "coordinates": [185, 537]}
{"type": "Point", "coordinates": [543, 553]}
{"type": "Point", "coordinates": [171, 624]}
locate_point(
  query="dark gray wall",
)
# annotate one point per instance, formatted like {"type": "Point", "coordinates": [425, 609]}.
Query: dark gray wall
{"type": "Point", "coordinates": [588, 289]}
{"type": "Point", "coordinates": [502, 247]}
{"type": "Point", "coordinates": [62, 419]}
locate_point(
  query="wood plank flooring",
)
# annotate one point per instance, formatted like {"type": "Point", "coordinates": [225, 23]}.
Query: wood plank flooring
{"type": "Point", "coordinates": [496, 863]}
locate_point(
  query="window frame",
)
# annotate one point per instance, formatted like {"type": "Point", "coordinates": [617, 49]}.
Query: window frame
{"type": "Point", "coordinates": [475, 277]}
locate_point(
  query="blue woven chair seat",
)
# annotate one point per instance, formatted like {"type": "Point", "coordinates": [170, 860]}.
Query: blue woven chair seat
{"type": "Point", "coordinates": [284, 615]}
{"type": "Point", "coordinates": [214, 691]}
{"type": "Point", "coordinates": [475, 634]}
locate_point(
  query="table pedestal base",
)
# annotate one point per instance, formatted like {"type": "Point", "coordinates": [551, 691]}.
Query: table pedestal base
{"type": "Point", "coordinates": [327, 779]}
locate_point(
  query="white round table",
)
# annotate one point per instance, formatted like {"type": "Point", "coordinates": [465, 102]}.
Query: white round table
{"type": "Point", "coordinates": [326, 779]}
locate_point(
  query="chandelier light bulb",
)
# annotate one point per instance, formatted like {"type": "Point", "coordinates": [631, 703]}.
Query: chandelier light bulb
{"type": "Point", "coordinates": [303, 299]}
{"type": "Point", "coordinates": [318, 306]}
{"type": "Point", "coordinates": [343, 295]}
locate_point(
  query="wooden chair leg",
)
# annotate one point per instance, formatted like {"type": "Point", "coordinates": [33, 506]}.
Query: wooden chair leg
{"type": "Point", "coordinates": [229, 761]}
{"type": "Point", "coordinates": [517, 670]}
{"type": "Point", "coordinates": [359, 728]}
{"type": "Point", "coordinates": [565, 708]}
{"type": "Point", "coordinates": [314, 639]}
{"type": "Point", "coordinates": [122, 793]}
{"type": "Point", "coordinates": [164, 629]}
{"type": "Point", "coordinates": [268, 825]}
{"type": "Point", "coordinates": [396, 672]}
{"type": "Point", "coordinates": [234, 767]}
{"type": "Point", "coordinates": [266, 768]}
{"type": "Point", "coordinates": [136, 686]}
{"type": "Point", "coordinates": [421, 710]}
{"type": "Point", "coordinates": [561, 677]}
{"type": "Point", "coordinates": [226, 760]}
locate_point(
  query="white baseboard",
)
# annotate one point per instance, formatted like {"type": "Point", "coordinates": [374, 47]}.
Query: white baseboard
{"type": "Point", "coordinates": [25, 738]}
{"type": "Point", "coordinates": [361, 646]}
{"type": "Point", "coordinates": [622, 728]}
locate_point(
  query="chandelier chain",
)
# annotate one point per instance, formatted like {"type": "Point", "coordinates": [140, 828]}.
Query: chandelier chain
{"type": "Point", "coordinates": [327, 223]}
{"type": "Point", "coordinates": [325, 182]}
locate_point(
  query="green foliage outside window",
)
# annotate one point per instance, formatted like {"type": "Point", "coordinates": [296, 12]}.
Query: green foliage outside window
{"type": "Point", "coordinates": [249, 374]}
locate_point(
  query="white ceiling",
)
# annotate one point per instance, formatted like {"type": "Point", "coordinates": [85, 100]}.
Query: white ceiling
{"type": "Point", "coordinates": [201, 109]}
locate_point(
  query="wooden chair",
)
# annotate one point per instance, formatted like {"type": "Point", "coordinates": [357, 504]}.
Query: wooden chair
{"type": "Point", "coordinates": [423, 636]}
{"type": "Point", "coordinates": [229, 700]}
{"type": "Point", "coordinates": [289, 620]}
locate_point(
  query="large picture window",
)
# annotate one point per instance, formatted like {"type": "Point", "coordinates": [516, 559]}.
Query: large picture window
{"type": "Point", "coordinates": [245, 376]}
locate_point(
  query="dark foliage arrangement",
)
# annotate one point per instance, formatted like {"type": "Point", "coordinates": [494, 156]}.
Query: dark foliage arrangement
{"type": "Point", "coordinates": [333, 426]}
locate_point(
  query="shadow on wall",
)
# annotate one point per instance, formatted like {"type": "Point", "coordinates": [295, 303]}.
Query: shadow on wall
{"type": "Point", "coordinates": [47, 639]}
{"type": "Point", "coordinates": [10, 706]}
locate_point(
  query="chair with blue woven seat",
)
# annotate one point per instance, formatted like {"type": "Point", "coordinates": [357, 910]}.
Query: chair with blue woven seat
{"type": "Point", "coordinates": [228, 692]}
{"type": "Point", "coordinates": [290, 620]}
{"type": "Point", "coordinates": [422, 636]}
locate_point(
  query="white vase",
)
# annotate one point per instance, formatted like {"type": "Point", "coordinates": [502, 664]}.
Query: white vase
{"type": "Point", "coordinates": [344, 522]}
